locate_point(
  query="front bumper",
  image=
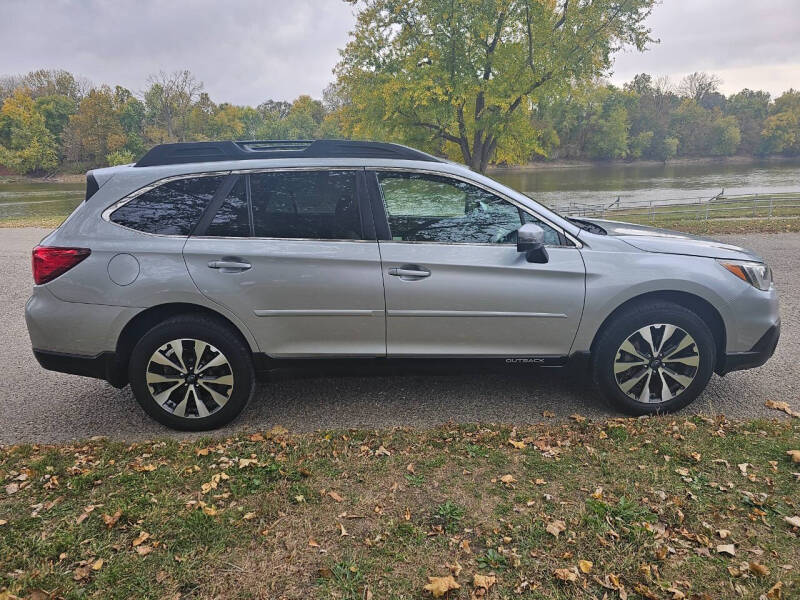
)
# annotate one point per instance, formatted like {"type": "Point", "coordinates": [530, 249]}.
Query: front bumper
{"type": "Point", "coordinates": [760, 353]}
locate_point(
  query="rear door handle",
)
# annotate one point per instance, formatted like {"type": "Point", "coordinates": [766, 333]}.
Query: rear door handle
{"type": "Point", "coordinates": [229, 265]}
{"type": "Point", "coordinates": [410, 272]}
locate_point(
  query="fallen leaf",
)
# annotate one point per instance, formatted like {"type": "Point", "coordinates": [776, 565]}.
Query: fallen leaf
{"type": "Point", "coordinates": [143, 536]}
{"type": "Point", "coordinates": [464, 545]}
{"type": "Point", "coordinates": [144, 550]}
{"type": "Point", "coordinates": [483, 581]}
{"type": "Point", "coordinates": [578, 418]}
{"type": "Point", "coordinates": [277, 431]}
{"type": "Point", "coordinates": [249, 516]}
{"type": "Point", "coordinates": [758, 569]}
{"type": "Point", "coordinates": [723, 533]}
{"type": "Point", "coordinates": [410, 468]}
{"type": "Point", "coordinates": [12, 488]}
{"type": "Point", "coordinates": [794, 455]}
{"type": "Point", "coordinates": [507, 479]}
{"type": "Point", "coordinates": [381, 451]}
{"type": "Point", "coordinates": [3, 521]}
{"type": "Point", "coordinates": [342, 530]}
{"type": "Point", "coordinates": [439, 586]}
{"type": "Point", "coordinates": [728, 549]}
{"type": "Point", "coordinates": [335, 496]}
{"type": "Point", "coordinates": [97, 565]}
{"type": "Point", "coordinates": [111, 520]}
{"type": "Point", "coordinates": [455, 569]}
{"type": "Point", "coordinates": [313, 543]}
{"type": "Point", "coordinates": [556, 527]}
{"type": "Point", "coordinates": [565, 575]}
{"type": "Point", "coordinates": [548, 414]}
{"type": "Point", "coordinates": [585, 566]}
{"type": "Point", "coordinates": [783, 406]}
{"type": "Point", "coordinates": [81, 573]}
{"type": "Point", "coordinates": [519, 445]}
{"type": "Point", "coordinates": [793, 521]}
{"type": "Point", "coordinates": [774, 593]}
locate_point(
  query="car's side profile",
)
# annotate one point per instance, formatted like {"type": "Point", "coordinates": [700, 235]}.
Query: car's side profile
{"type": "Point", "coordinates": [204, 264]}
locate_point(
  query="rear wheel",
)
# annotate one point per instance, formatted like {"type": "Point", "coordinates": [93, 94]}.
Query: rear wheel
{"type": "Point", "coordinates": [654, 358]}
{"type": "Point", "coordinates": [191, 373]}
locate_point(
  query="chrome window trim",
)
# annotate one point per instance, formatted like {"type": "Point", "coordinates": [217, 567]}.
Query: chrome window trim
{"type": "Point", "coordinates": [277, 239]}
{"type": "Point", "coordinates": [576, 242]}
{"type": "Point", "coordinates": [106, 214]}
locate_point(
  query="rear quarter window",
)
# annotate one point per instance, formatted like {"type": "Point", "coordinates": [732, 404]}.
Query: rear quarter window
{"type": "Point", "coordinates": [173, 208]}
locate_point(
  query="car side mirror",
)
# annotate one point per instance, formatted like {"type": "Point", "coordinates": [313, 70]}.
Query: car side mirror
{"type": "Point", "coordinates": [530, 240]}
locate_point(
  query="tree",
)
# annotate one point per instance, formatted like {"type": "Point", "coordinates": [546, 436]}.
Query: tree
{"type": "Point", "coordinates": [698, 85]}
{"type": "Point", "coordinates": [169, 101]}
{"type": "Point", "coordinates": [95, 131]}
{"type": "Point", "coordinates": [56, 110]}
{"type": "Point", "coordinates": [26, 146]}
{"type": "Point", "coordinates": [750, 109]}
{"type": "Point", "coordinates": [782, 128]}
{"type": "Point", "coordinates": [460, 71]}
{"type": "Point", "coordinates": [725, 136]}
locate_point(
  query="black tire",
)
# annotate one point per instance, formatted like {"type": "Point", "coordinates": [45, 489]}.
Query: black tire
{"type": "Point", "coordinates": [238, 361]}
{"type": "Point", "coordinates": [625, 325]}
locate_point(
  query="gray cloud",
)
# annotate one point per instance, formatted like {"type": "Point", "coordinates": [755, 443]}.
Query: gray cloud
{"type": "Point", "coordinates": [749, 44]}
{"type": "Point", "coordinates": [246, 51]}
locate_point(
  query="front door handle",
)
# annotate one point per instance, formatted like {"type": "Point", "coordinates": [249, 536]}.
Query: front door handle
{"type": "Point", "coordinates": [410, 272]}
{"type": "Point", "coordinates": [230, 264]}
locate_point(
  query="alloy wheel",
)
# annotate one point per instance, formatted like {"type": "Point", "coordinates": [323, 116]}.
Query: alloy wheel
{"type": "Point", "coordinates": [189, 378]}
{"type": "Point", "coordinates": [656, 363]}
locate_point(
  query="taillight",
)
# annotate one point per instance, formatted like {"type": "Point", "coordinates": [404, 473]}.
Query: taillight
{"type": "Point", "coordinates": [49, 262]}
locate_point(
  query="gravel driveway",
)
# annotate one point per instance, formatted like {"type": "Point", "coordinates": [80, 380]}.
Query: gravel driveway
{"type": "Point", "coordinates": [41, 406]}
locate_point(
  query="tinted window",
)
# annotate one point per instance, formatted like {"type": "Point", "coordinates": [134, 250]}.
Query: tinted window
{"type": "Point", "coordinates": [171, 209]}
{"type": "Point", "coordinates": [430, 208]}
{"type": "Point", "coordinates": [305, 204]}
{"type": "Point", "coordinates": [233, 217]}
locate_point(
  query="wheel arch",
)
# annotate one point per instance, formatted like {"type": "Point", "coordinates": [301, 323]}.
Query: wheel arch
{"type": "Point", "coordinates": [700, 306]}
{"type": "Point", "coordinates": [142, 322]}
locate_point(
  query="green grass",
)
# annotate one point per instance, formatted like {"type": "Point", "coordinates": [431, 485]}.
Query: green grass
{"type": "Point", "coordinates": [643, 500]}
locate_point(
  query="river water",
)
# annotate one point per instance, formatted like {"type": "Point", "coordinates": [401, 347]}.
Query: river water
{"type": "Point", "coordinates": [555, 187]}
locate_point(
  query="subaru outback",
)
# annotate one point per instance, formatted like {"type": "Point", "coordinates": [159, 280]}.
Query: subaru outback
{"type": "Point", "coordinates": [205, 264]}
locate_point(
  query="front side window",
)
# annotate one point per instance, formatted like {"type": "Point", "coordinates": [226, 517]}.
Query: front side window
{"type": "Point", "coordinates": [306, 204]}
{"type": "Point", "coordinates": [432, 208]}
{"type": "Point", "coordinates": [173, 208]}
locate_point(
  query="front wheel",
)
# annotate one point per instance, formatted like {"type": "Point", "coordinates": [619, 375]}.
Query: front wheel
{"type": "Point", "coordinates": [191, 373]}
{"type": "Point", "coordinates": [654, 358]}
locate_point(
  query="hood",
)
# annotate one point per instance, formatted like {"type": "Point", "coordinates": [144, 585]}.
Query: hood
{"type": "Point", "coordinates": [653, 239]}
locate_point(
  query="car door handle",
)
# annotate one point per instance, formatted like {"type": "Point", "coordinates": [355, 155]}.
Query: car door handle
{"type": "Point", "coordinates": [229, 265]}
{"type": "Point", "coordinates": [410, 272]}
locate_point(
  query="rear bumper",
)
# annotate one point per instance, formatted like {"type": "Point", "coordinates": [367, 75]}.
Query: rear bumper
{"type": "Point", "coordinates": [100, 366]}
{"type": "Point", "coordinates": [760, 353]}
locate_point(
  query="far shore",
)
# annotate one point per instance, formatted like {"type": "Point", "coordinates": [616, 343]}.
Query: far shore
{"type": "Point", "coordinates": [5, 177]}
{"type": "Point", "coordinates": [588, 164]}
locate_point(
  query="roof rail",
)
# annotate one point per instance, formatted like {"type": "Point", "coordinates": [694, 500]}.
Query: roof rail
{"type": "Point", "coordinates": [191, 152]}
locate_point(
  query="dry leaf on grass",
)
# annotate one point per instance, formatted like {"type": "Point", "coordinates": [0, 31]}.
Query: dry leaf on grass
{"type": "Point", "coordinates": [508, 479]}
{"type": "Point", "coordinates": [143, 536]}
{"type": "Point", "coordinates": [335, 496]}
{"type": "Point", "coordinates": [793, 521]}
{"type": "Point", "coordinates": [585, 566]}
{"type": "Point", "coordinates": [439, 586]}
{"type": "Point", "coordinates": [111, 520]}
{"type": "Point", "coordinates": [758, 569]}
{"type": "Point", "coordinates": [565, 574]}
{"type": "Point", "coordinates": [483, 581]}
{"type": "Point", "coordinates": [519, 445]}
{"type": "Point", "coordinates": [556, 527]}
{"type": "Point", "coordinates": [144, 550]}
{"type": "Point", "coordinates": [97, 565]}
{"type": "Point", "coordinates": [794, 455]}
{"type": "Point", "coordinates": [342, 530]}
{"type": "Point", "coordinates": [728, 549]}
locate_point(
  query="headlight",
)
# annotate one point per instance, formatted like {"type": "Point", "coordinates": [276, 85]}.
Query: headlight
{"type": "Point", "coordinates": [756, 274]}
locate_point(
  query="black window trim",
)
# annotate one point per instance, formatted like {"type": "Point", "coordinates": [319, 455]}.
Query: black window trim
{"type": "Point", "coordinates": [382, 220]}
{"type": "Point", "coordinates": [365, 211]}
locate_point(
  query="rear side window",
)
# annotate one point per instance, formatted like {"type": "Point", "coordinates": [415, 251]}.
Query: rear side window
{"type": "Point", "coordinates": [306, 204]}
{"type": "Point", "coordinates": [233, 217]}
{"type": "Point", "coordinates": [173, 208]}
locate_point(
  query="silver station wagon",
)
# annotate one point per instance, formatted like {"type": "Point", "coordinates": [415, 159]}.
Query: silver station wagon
{"type": "Point", "coordinates": [204, 264]}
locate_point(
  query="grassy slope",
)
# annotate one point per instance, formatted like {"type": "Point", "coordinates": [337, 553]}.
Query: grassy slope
{"type": "Point", "coordinates": [349, 514]}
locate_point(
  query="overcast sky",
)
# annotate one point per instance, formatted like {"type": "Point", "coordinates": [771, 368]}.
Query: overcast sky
{"type": "Point", "coordinates": [246, 51]}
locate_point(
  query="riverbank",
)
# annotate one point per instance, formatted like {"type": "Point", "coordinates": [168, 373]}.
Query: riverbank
{"type": "Point", "coordinates": [55, 178]}
{"type": "Point", "coordinates": [724, 161]}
